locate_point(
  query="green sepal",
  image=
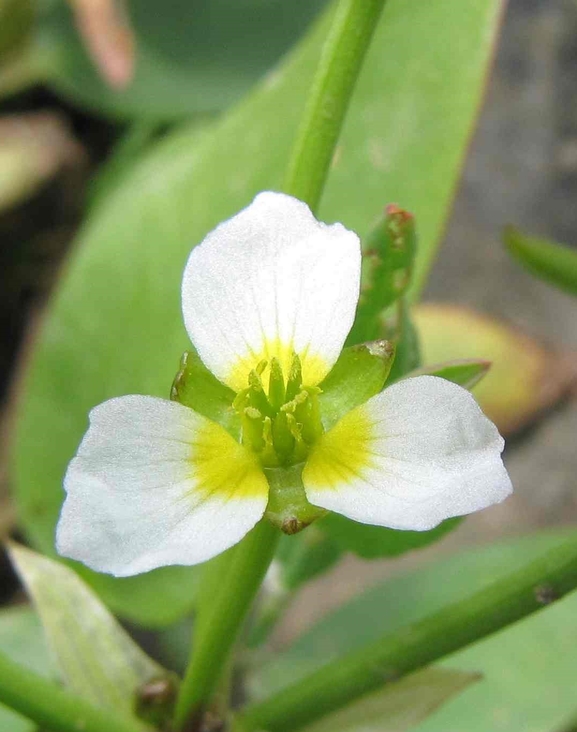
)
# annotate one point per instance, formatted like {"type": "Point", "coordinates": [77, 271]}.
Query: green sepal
{"type": "Point", "coordinates": [388, 259]}
{"type": "Point", "coordinates": [359, 373]}
{"type": "Point", "coordinates": [196, 387]}
{"type": "Point", "coordinates": [466, 372]}
{"type": "Point", "coordinates": [545, 259]}
{"type": "Point", "coordinates": [371, 542]}
{"type": "Point", "coordinates": [288, 507]}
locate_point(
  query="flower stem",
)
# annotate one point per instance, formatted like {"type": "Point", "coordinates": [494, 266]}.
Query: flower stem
{"type": "Point", "coordinates": [216, 635]}
{"type": "Point", "coordinates": [54, 708]}
{"type": "Point", "coordinates": [393, 656]}
{"type": "Point", "coordinates": [331, 91]}
{"type": "Point", "coordinates": [341, 60]}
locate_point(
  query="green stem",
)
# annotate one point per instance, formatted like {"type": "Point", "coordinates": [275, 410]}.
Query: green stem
{"type": "Point", "coordinates": [393, 656]}
{"type": "Point", "coordinates": [332, 87]}
{"type": "Point", "coordinates": [341, 60]}
{"type": "Point", "coordinates": [54, 708]}
{"type": "Point", "coordinates": [216, 635]}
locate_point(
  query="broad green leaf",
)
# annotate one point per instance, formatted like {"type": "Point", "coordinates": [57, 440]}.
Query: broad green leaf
{"type": "Point", "coordinates": [545, 259]}
{"type": "Point", "coordinates": [525, 377]}
{"type": "Point", "coordinates": [22, 640]}
{"type": "Point", "coordinates": [528, 669]}
{"type": "Point", "coordinates": [96, 657]}
{"type": "Point", "coordinates": [115, 325]}
{"type": "Point", "coordinates": [190, 58]}
{"type": "Point", "coordinates": [359, 373]}
{"type": "Point", "coordinates": [371, 542]}
{"type": "Point", "coordinates": [132, 146]}
{"type": "Point", "coordinates": [467, 372]}
{"type": "Point", "coordinates": [400, 706]}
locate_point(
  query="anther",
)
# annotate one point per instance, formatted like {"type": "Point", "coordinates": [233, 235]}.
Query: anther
{"type": "Point", "coordinates": [257, 396]}
{"type": "Point", "coordinates": [295, 378]}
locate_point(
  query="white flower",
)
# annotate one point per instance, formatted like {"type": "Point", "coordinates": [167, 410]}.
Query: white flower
{"type": "Point", "coordinates": [154, 483]}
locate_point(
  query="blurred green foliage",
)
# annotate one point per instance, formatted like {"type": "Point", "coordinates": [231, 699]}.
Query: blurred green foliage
{"type": "Point", "coordinates": [528, 673]}
{"type": "Point", "coordinates": [192, 57]}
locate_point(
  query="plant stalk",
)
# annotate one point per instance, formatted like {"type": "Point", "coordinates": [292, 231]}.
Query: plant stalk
{"type": "Point", "coordinates": [217, 634]}
{"type": "Point", "coordinates": [53, 707]}
{"type": "Point", "coordinates": [342, 57]}
{"type": "Point", "coordinates": [417, 645]}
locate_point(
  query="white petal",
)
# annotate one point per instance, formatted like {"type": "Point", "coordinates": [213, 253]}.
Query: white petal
{"type": "Point", "coordinates": [155, 484]}
{"type": "Point", "coordinates": [417, 453]}
{"type": "Point", "coordinates": [269, 281]}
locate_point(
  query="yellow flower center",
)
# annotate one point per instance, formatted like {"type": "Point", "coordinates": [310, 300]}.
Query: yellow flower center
{"type": "Point", "coordinates": [280, 416]}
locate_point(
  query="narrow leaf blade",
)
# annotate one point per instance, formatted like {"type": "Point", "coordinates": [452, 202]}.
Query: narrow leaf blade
{"type": "Point", "coordinates": [21, 639]}
{"type": "Point", "coordinates": [95, 655]}
{"type": "Point", "coordinates": [552, 262]}
{"type": "Point", "coordinates": [466, 372]}
{"type": "Point", "coordinates": [398, 707]}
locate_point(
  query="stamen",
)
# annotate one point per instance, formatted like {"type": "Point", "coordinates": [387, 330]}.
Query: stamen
{"type": "Point", "coordinates": [282, 438]}
{"type": "Point", "coordinates": [258, 397]}
{"type": "Point", "coordinates": [276, 391]}
{"type": "Point", "coordinates": [295, 378]}
{"type": "Point", "coordinates": [253, 429]}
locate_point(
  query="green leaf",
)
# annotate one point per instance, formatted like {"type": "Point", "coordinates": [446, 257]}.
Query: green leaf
{"type": "Point", "coordinates": [398, 707]}
{"type": "Point", "coordinates": [96, 657]}
{"type": "Point", "coordinates": [190, 59]}
{"type": "Point", "coordinates": [196, 387]}
{"type": "Point", "coordinates": [22, 640]}
{"type": "Point", "coordinates": [115, 325]}
{"type": "Point", "coordinates": [552, 262]}
{"type": "Point", "coordinates": [388, 259]}
{"type": "Point", "coordinates": [359, 373]}
{"type": "Point", "coordinates": [467, 372]}
{"type": "Point", "coordinates": [371, 542]}
{"type": "Point", "coordinates": [528, 669]}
